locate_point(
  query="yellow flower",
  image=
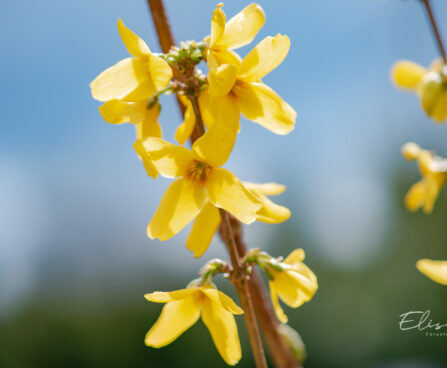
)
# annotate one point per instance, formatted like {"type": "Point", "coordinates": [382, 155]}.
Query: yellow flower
{"type": "Point", "coordinates": [435, 270]}
{"type": "Point", "coordinates": [295, 285]}
{"type": "Point", "coordinates": [144, 118]}
{"type": "Point", "coordinates": [208, 220]}
{"type": "Point", "coordinates": [201, 180]}
{"type": "Point", "coordinates": [184, 307]}
{"type": "Point", "coordinates": [237, 32]}
{"type": "Point", "coordinates": [135, 78]}
{"type": "Point", "coordinates": [430, 84]}
{"type": "Point", "coordinates": [238, 89]}
{"type": "Point", "coordinates": [186, 128]}
{"type": "Point", "coordinates": [434, 174]}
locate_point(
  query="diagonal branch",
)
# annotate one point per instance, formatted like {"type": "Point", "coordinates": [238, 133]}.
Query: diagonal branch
{"type": "Point", "coordinates": [435, 28]}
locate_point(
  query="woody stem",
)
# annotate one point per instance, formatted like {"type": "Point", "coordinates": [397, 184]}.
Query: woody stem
{"type": "Point", "coordinates": [435, 28]}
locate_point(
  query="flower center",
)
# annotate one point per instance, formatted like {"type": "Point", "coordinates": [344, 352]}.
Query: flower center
{"type": "Point", "coordinates": [199, 171]}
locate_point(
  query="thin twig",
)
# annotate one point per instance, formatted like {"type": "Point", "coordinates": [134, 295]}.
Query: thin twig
{"type": "Point", "coordinates": [240, 281]}
{"type": "Point", "coordinates": [435, 30]}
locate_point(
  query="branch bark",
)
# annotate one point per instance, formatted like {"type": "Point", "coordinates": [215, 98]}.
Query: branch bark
{"type": "Point", "coordinates": [435, 28]}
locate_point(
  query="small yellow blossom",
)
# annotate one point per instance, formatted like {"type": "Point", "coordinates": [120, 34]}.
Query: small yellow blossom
{"type": "Point", "coordinates": [434, 174]}
{"type": "Point", "coordinates": [186, 128]}
{"type": "Point", "coordinates": [200, 180]}
{"type": "Point", "coordinates": [208, 220]}
{"type": "Point", "coordinates": [144, 118]}
{"type": "Point", "coordinates": [237, 32]}
{"type": "Point", "coordinates": [295, 284]}
{"type": "Point", "coordinates": [182, 310]}
{"type": "Point", "coordinates": [435, 270]}
{"type": "Point", "coordinates": [430, 84]}
{"type": "Point", "coordinates": [135, 78]}
{"type": "Point", "coordinates": [238, 89]}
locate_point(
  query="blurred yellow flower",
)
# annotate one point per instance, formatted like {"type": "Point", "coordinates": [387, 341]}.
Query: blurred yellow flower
{"type": "Point", "coordinates": [208, 220]}
{"type": "Point", "coordinates": [184, 307]}
{"type": "Point", "coordinates": [201, 180]}
{"type": "Point", "coordinates": [237, 32]}
{"type": "Point", "coordinates": [435, 270]}
{"type": "Point", "coordinates": [430, 84]}
{"type": "Point", "coordinates": [238, 89]}
{"type": "Point", "coordinates": [135, 78]}
{"type": "Point", "coordinates": [144, 118]}
{"type": "Point", "coordinates": [295, 284]}
{"type": "Point", "coordinates": [434, 174]}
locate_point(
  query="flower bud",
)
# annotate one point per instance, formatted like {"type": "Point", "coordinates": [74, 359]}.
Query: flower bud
{"type": "Point", "coordinates": [295, 342]}
{"type": "Point", "coordinates": [411, 151]}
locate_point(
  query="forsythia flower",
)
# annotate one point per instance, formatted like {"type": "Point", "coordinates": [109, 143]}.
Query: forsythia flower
{"type": "Point", "coordinates": [295, 284]}
{"type": "Point", "coordinates": [430, 84]}
{"type": "Point", "coordinates": [434, 174]}
{"type": "Point", "coordinates": [435, 270]}
{"type": "Point", "coordinates": [184, 307]}
{"type": "Point", "coordinates": [185, 129]}
{"type": "Point", "coordinates": [144, 118]}
{"type": "Point", "coordinates": [208, 220]}
{"type": "Point", "coordinates": [201, 180]}
{"type": "Point", "coordinates": [135, 78]}
{"type": "Point", "coordinates": [237, 32]}
{"type": "Point", "coordinates": [238, 89]}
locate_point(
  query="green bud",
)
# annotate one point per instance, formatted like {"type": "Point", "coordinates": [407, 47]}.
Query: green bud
{"type": "Point", "coordinates": [295, 342]}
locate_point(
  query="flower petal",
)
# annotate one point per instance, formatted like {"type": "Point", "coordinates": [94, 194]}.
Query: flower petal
{"type": "Point", "coordinates": [215, 146]}
{"type": "Point", "coordinates": [220, 110]}
{"type": "Point", "coordinates": [183, 201]}
{"type": "Point", "coordinates": [170, 296]}
{"type": "Point", "coordinates": [265, 57]}
{"type": "Point", "coordinates": [223, 330]}
{"type": "Point", "coordinates": [217, 25]}
{"type": "Point", "coordinates": [408, 75]}
{"type": "Point", "coordinates": [202, 232]}
{"type": "Point", "coordinates": [227, 192]}
{"type": "Point", "coordinates": [259, 103]}
{"type": "Point", "coordinates": [160, 73]}
{"type": "Point", "coordinates": [297, 256]}
{"type": "Point", "coordinates": [435, 270]}
{"type": "Point", "coordinates": [127, 79]}
{"type": "Point", "coordinates": [221, 79]}
{"type": "Point", "coordinates": [218, 57]}
{"type": "Point", "coordinates": [134, 44]}
{"type": "Point", "coordinates": [271, 213]}
{"type": "Point", "coordinates": [185, 129]}
{"type": "Point", "coordinates": [223, 300]}
{"type": "Point", "coordinates": [276, 306]}
{"type": "Point", "coordinates": [170, 160]}
{"type": "Point", "coordinates": [416, 196]}
{"type": "Point", "coordinates": [439, 112]}
{"type": "Point", "coordinates": [176, 317]}
{"type": "Point", "coordinates": [241, 29]}
{"type": "Point", "coordinates": [149, 127]}
{"type": "Point", "coordinates": [268, 189]}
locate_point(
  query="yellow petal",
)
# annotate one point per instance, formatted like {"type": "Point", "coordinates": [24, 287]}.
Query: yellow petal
{"type": "Point", "coordinates": [439, 112]}
{"type": "Point", "coordinates": [265, 57]}
{"type": "Point", "coordinates": [149, 127]}
{"type": "Point", "coordinates": [170, 296]}
{"type": "Point", "coordinates": [170, 160]}
{"type": "Point", "coordinates": [203, 230]}
{"type": "Point", "coordinates": [297, 256]}
{"type": "Point", "coordinates": [241, 29]}
{"type": "Point", "coordinates": [221, 79]}
{"type": "Point", "coordinates": [134, 44]}
{"type": "Point", "coordinates": [259, 103]}
{"type": "Point", "coordinates": [183, 201]}
{"type": "Point", "coordinates": [276, 306]}
{"type": "Point", "coordinates": [218, 57]}
{"type": "Point", "coordinates": [407, 75]}
{"type": "Point", "coordinates": [220, 110]}
{"type": "Point", "coordinates": [160, 73]}
{"type": "Point", "coordinates": [127, 79]}
{"type": "Point", "coordinates": [151, 170]}
{"type": "Point", "coordinates": [435, 270]}
{"type": "Point", "coordinates": [185, 129]}
{"type": "Point", "coordinates": [215, 146]}
{"type": "Point", "coordinates": [431, 89]}
{"type": "Point", "coordinates": [176, 317]}
{"type": "Point", "coordinates": [217, 25]}
{"type": "Point", "coordinates": [271, 213]}
{"type": "Point", "coordinates": [118, 112]}
{"type": "Point", "coordinates": [227, 192]}
{"type": "Point", "coordinates": [432, 191]}
{"type": "Point", "coordinates": [223, 300]}
{"type": "Point", "coordinates": [223, 330]}
{"type": "Point", "coordinates": [268, 189]}
{"type": "Point", "coordinates": [411, 151]}
{"type": "Point", "coordinates": [416, 196]}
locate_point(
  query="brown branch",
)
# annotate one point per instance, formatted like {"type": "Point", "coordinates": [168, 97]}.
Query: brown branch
{"type": "Point", "coordinates": [280, 352]}
{"type": "Point", "coordinates": [435, 29]}
{"type": "Point", "coordinates": [240, 282]}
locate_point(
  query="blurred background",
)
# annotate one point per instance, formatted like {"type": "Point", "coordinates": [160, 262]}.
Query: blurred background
{"type": "Point", "coordinates": [75, 261]}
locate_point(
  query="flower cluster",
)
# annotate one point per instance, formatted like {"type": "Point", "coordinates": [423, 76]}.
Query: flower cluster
{"type": "Point", "coordinates": [203, 190]}
{"type": "Point", "coordinates": [430, 84]}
